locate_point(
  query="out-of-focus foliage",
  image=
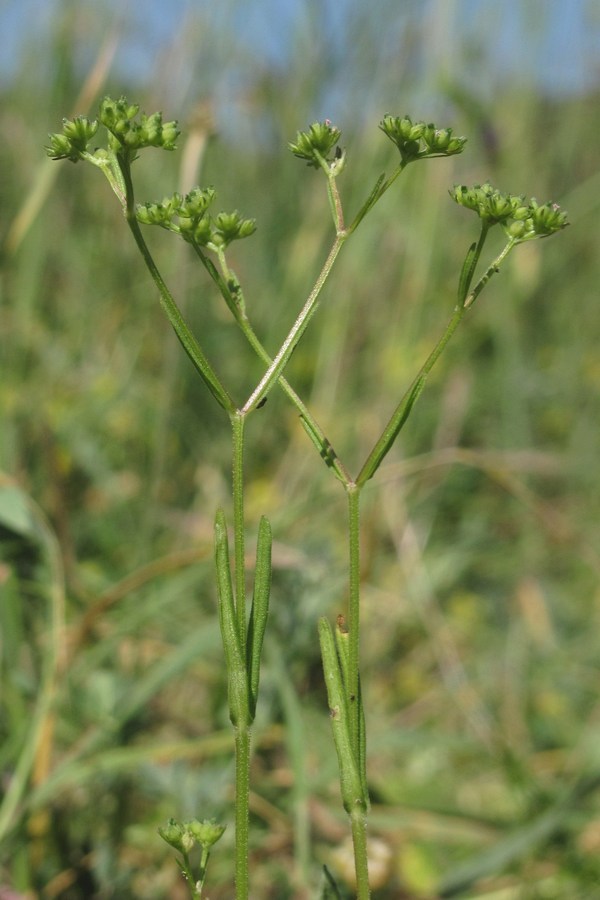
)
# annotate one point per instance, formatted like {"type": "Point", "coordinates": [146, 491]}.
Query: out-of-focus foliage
{"type": "Point", "coordinates": [481, 536]}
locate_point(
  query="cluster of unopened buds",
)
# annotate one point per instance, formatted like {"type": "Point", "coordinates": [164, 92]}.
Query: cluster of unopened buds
{"type": "Point", "coordinates": [521, 220]}
{"type": "Point", "coordinates": [189, 217]}
{"type": "Point", "coordinates": [128, 131]}
{"type": "Point", "coordinates": [416, 140]}
{"type": "Point", "coordinates": [184, 836]}
{"type": "Point", "coordinates": [316, 144]}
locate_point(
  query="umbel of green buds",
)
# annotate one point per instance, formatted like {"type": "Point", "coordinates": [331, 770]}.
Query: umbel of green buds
{"type": "Point", "coordinates": [416, 140]}
{"type": "Point", "coordinates": [189, 216]}
{"type": "Point", "coordinates": [127, 132]}
{"type": "Point", "coordinates": [521, 220]}
{"type": "Point", "coordinates": [184, 836]}
{"type": "Point", "coordinates": [74, 139]}
{"type": "Point", "coordinates": [316, 144]}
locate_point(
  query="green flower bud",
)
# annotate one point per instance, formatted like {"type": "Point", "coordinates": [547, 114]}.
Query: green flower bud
{"type": "Point", "coordinates": [470, 198]}
{"type": "Point", "coordinates": [417, 140]}
{"type": "Point", "coordinates": [203, 233]}
{"type": "Point", "coordinates": [60, 147]}
{"type": "Point", "coordinates": [319, 140]}
{"type": "Point", "coordinates": [159, 213]}
{"type": "Point", "coordinates": [404, 135]}
{"type": "Point", "coordinates": [73, 141]}
{"type": "Point", "coordinates": [520, 210]}
{"type": "Point", "coordinates": [195, 204]}
{"type": "Point", "coordinates": [80, 131]}
{"type": "Point", "coordinates": [170, 133]}
{"type": "Point", "coordinates": [519, 229]}
{"type": "Point", "coordinates": [230, 227]}
{"type": "Point", "coordinates": [151, 130]}
{"type": "Point", "coordinates": [520, 221]}
{"type": "Point", "coordinates": [153, 214]}
{"type": "Point", "coordinates": [206, 833]}
{"type": "Point", "coordinates": [499, 207]}
{"type": "Point", "coordinates": [116, 115]}
{"type": "Point", "coordinates": [173, 833]}
{"type": "Point", "coordinates": [547, 219]}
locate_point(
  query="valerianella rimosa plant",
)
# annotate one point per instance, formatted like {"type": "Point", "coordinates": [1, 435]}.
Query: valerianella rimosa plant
{"type": "Point", "coordinates": [209, 234]}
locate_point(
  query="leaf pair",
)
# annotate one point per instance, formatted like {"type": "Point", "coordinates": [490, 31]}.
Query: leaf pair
{"type": "Point", "coordinates": [350, 742]}
{"type": "Point", "coordinates": [242, 651]}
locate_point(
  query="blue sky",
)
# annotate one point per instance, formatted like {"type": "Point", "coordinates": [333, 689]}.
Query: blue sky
{"type": "Point", "coordinates": [555, 43]}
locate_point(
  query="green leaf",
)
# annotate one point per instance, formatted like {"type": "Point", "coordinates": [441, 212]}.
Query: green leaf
{"type": "Point", "coordinates": [326, 451]}
{"type": "Point", "coordinates": [350, 781]}
{"type": "Point", "coordinates": [466, 274]}
{"type": "Point", "coordinates": [330, 890]}
{"type": "Point", "coordinates": [369, 203]}
{"type": "Point", "coordinates": [260, 608]}
{"type": "Point", "coordinates": [392, 430]}
{"type": "Point", "coordinates": [342, 640]}
{"type": "Point", "coordinates": [237, 681]}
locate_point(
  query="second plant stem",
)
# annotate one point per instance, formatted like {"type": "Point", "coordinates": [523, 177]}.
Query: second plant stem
{"type": "Point", "coordinates": [242, 728]}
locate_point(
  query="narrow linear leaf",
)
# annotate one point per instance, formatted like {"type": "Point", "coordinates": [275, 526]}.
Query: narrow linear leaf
{"type": "Point", "coordinates": [326, 451]}
{"type": "Point", "coordinates": [350, 782]}
{"type": "Point", "coordinates": [260, 608]}
{"type": "Point", "coordinates": [392, 430]}
{"type": "Point", "coordinates": [179, 325]}
{"type": "Point", "coordinates": [369, 203]}
{"type": "Point", "coordinates": [330, 890]}
{"type": "Point", "coordinates": [466, 274]}
{"type": "Point", "coordinates": [342, 641]}
{"type": "Point", "coordinates": [195, 354]}
{"type": "Point", "coordinates": [237, 682]}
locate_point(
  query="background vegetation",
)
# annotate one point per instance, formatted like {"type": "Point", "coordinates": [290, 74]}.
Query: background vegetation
{"type": "Point", "coordinates": [481, 535]}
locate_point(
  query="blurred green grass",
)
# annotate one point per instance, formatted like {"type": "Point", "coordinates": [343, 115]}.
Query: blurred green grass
{"type": "Point", "coordinates": [480, 534]}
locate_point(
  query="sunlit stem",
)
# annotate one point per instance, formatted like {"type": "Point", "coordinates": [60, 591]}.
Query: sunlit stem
{"type": "Point", "coordinates": [353, 495]}
{"type": "Point", "coordinates": [237, 433]}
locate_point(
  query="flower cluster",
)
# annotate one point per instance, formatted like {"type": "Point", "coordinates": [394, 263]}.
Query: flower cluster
{"type": "Point", "coordinates": [183, 836]}
{"type": "Point", "coordinates": [189, 217]}
{"type": "Point", "coordinates": [316, 144]}
{"type": "Point", "coordinates": [127, 132]}
{"type": "Point", "coordinates": [416, 140]}
{"type": "Point", "coordinates": [120, 119]}
{"type": "Point", "coordinates": [73, 141]}
{"type": "Point", "coordinates": [521, 220]}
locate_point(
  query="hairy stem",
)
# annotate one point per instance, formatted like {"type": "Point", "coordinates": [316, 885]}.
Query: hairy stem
{"type": "Point", "coordinates": [358, 823]}
{"type": "Point", "coordinates": [352, 688]}
{"type": "Point", "coordinates": [167, 301]}
{"type": "Point", "coordinates": [237, 482]}
{"type": "Point", "coordinates": [297, 330]}
{"type": "Point", "coordinates": [242, 810]}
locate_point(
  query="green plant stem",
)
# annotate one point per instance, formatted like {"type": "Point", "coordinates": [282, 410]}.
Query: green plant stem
{"type": "Point", "coordinates": [239, 313]}
{"type": "Point", "coordinates": [335, 203]}
{"type": "Point", "coordinates": [167, 301]}
{"type": "Point", "coordinates": [402, 411]}
{"type": "Point", "coordinates": [242, 730]}
{"type": "Point", "coordinates": [490, 272]}
{"type": "Point", "coordinates": [358, 824]}
{"type": "Point", "coordinates": [381, 186]}
{"type": "Point", "coordinates": [404, 408]}
{"type": "Point", "coordinates": [353, 495]}
{"type": "Point", "coordinates": [237, 482]}
{"type": "Point", "coordinates": [242, 810]}
{"type": "Point", "coordinates": [297, 330]}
